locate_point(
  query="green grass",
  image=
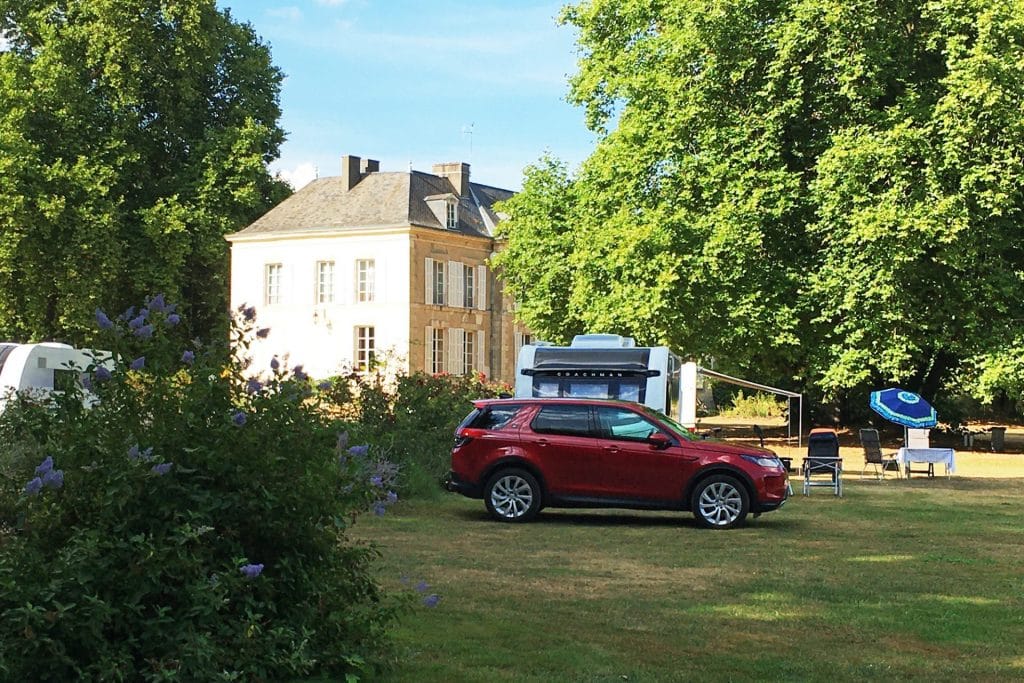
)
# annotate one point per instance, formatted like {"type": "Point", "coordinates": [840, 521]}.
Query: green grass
{"type": "Point", "coordinates": [920, 579]}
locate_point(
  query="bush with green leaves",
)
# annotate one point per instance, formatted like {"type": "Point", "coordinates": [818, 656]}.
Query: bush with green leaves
{"type": "Point", "coordinates": [190, 525]}
{"type": "Point", "coordinates": [411, 417]}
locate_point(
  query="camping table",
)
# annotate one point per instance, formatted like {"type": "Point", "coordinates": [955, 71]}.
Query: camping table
{"type": "Point", "coordinates": [946, 456]}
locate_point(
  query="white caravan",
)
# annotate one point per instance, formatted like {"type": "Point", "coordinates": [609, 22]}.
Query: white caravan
{"type": "Point", "coordinates": [42, 367]}
{"type": "Point", "coordinates": [600, 366]}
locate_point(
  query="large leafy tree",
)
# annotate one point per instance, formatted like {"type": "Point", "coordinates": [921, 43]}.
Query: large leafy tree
{"type": "Point", "coordinates": [133, 135]}
{"type": "Point", "coordinates": [825, 192]}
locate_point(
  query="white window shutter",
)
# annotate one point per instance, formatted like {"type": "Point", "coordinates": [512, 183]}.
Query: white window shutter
{"type": "Point", "coordinates": [428, 281]}
{"type": "Point", "coordinates": [481, 354]}
{"type": "Point", "coordinates": [454, 349]}
{"type": "Point", "coordinates": [454, 283]}
{"type": "Point", "coordinates": [428, 350]}
{"type": "Point", "coordinates": [481, 287]}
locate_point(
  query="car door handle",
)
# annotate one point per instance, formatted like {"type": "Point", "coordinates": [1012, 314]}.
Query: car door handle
{"type": "Point", "coordinates": [613, 449]}
{"type": "Point", "coordinates": [542, 442]}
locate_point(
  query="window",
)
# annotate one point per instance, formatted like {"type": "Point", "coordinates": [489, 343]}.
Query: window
{"type": "Point", "coordinates": [451, 215]}
{"type": "Point", "coordinates": [522, 339]}
{"type": "Point", "coordinates": [434, 279]}
{"type": "Point", "coordinates": [568, 420]}
{"type": "Point", "coordinates": [364, 347]}
{"type": "Point", "coordinates": [364, 280]}
{"type": "Point", "coordinates": [437, 350]}
{"type": "Point", "coordinates": [468, 290]}
{"type": "Point", "coordinates": [624, 425]}
{"type": "Point", "coordinates": [325, 282]}
{"type": "Point", "coordinates": [468, 352]}
{"type": "Point", "coordinates": [272, 283]}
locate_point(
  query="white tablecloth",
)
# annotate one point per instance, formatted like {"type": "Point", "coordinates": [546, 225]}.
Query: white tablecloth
{"type": "Point", "coordinates": [945, 456]}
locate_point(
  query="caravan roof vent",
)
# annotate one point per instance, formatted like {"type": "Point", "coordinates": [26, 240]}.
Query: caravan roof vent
{"type": "Point", "coordinates": [602, 341]}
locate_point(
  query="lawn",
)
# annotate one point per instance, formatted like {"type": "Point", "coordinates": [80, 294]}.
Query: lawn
{"type": "Point", "coordinates": [913, 579]}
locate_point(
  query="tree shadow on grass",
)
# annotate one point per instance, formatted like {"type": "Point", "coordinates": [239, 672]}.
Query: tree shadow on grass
{"type": "Point", "coordinates": [613, 517]}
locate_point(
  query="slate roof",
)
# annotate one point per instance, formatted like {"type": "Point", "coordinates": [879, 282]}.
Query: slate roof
{"type": "Point", "coordinates": [378, 200]}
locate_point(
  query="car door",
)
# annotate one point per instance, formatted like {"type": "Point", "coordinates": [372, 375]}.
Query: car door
{"type": "Point", "coordinates": [635, 468]}
{"type": "Point", "coordinates": [562, 440]}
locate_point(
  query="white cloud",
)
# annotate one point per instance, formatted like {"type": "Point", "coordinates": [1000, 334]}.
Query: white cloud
{"type": "Point", "coordinates": [331, 3]}
{"type": "Point", "coordinates": [289, 13]}
{"type": "Point", "coordinates": [300, 176]}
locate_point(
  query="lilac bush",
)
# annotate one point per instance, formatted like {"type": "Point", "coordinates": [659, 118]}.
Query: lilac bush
{"type": "Point", "coordinates": [196, 528]}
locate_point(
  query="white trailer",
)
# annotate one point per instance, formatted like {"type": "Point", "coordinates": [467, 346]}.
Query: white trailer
{"type": "Point", "coordinates": [44, 367]}
{"type": "Point", "coordinates": [600, 366]}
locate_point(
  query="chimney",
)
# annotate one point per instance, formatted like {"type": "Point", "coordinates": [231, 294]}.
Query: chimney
{"type": "Point", "coordinates": [368, 166]}
{"type": "Point", "coordinates": [457, 173]}
{"type": "Point", "coordinates": [350, 174]}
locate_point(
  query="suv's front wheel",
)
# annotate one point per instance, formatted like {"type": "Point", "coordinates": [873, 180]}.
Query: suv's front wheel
{"type": "Point", "coordinates": [720, 502]}
{"type": "Point", "coordinates": [512, 495]}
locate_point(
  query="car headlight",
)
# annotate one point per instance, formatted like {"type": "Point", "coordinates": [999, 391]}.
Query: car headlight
{"type": "Point", "coordinates": [765, 461]}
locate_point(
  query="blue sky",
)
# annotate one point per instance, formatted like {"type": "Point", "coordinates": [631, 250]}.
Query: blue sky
{"type": "Point", "coordinates": [405, 81]}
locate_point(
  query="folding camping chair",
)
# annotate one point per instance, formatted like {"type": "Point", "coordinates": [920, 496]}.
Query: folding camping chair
{"type": "Point", "coordinates": [873, 455]}
{"type": "Point", "coordinates": [823, 460]}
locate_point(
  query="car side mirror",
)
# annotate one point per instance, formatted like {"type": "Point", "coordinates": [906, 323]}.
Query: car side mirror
{"type": "Point", "coordinates": [659, 441]}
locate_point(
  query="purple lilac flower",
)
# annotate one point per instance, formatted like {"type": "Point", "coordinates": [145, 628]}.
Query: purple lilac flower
{"type": "Point", "coordinates": [262, 333]}
{"type": "Point", "coordinates": [251, 571]}
{"type": "Point", "coordinates": [239, 418]}
{"type": "Point", "coordinates": [377, 480]}
{"type": "Point", "coordinates": [138, 363]}
{"type": "Point", "coordinates": [358, 451]}
{"type": "Point", "coordinates": [45, 466]}
{"type": "Point", "coordinates": [173, 319]}
{"type": "Point", "coordinates": [163, 468]}
{"type": "Point", "coordinates": [34, 487]}
{"type": "Point", "coordinates": [129, 314]}
{"type": "Point", "coordinates": [86, 383]}
{"type": "Point", "coordinates": [137, 322]}
{"type": "Point", "coordinates": [103, 321]}
{"type": "Point", "coordinates": [101, 374]}
{"type": "Point", "coordinates": [392, 497]}
{"type": "Point", "coordinates": [432, 600]}
{"type": "Point", "coordinates": [253, 385]}
{"type": "Point", "coordinates": [379, 509]}
{"type": "Point", "coordinates": [133, 452]}
{"type": "Point", "coordinates": [422, 587]}
{"type": "Point", "coordinates": [54, 479]}
{"type": "Point", "coordinates": [188, 358]}
{"type": "Point", "coordinates": [324, 386]}
{"type": "Point", "coordinates": [248, 312]}
{"type": "Point", "coordinates": [156, 304]}
{"type": "Point", "coordinates": [274, 363]}
{"type": "Point", "coordinates": [299, 374]}
{"type": "Point", "coordinates": [144, 332]}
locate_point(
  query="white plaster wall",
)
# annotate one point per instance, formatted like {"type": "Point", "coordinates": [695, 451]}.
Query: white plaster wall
{"type": "Point", "coordinates": [321, 337]}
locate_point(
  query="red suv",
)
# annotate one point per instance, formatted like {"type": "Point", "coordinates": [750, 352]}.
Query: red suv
{"type": "Point", "coordinates": [521, 455]}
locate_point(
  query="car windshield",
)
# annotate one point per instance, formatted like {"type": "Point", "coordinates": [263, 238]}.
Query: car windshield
{"type": "Point", "coordinates": [679, 430]}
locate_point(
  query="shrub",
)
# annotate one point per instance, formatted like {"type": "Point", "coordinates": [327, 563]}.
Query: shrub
{"type": "Point", "coordinates": [756, 405]}
{"type": "Point", "coordinates": [411, 417]}
{"type": "Point", "coordinates": [190, 526]}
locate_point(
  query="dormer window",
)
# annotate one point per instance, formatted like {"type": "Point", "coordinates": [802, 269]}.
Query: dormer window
{"type": "Point", "coordinates": [451, 215]}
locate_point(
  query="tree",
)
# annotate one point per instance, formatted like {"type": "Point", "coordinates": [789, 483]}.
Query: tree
{"type": "Point", "coordinates": [134, 134]}
{"type": "Point", "coordinates": [820, 191]}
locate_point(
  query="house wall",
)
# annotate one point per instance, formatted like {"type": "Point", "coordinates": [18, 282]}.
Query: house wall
{"type": "Point", "coordinates": [493, 321]}
{"type": "Point", "coordinates": [321, 337]}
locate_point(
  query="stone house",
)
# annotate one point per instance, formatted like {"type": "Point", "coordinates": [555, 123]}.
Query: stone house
{"type": "Point", "coordinates": [369, 263]}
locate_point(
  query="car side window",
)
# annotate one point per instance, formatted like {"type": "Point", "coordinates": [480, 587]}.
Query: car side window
{"type": "Point", "coordinates": [624, 425]}
{"type": "Point", "coordinates": [495, 417]}
{"type": "Point", "coordinates": [567, 420]}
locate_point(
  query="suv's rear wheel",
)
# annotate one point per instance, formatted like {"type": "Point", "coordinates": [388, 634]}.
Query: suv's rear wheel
{"type": "Point", "coordinates": [512, 496]}
{"type": "Point", "coordinates": [720, 502]}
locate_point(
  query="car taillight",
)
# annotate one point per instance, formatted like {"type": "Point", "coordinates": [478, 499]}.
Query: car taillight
{"type": "Point", "coordinates": [465, 435]}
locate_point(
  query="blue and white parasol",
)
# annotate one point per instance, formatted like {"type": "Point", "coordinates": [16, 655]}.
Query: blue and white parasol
{"type": "Point", "coordinates": [904, 408]}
